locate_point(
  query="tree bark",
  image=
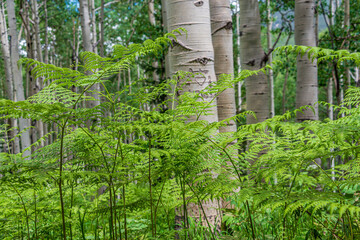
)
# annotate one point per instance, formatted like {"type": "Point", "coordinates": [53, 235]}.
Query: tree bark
{"type": "Point", "coordinates": [85, 25]}
{"type": "Point", "coordinates": [222, 38]}
{"type": "Point", "coordinates": [93, 24]}
{"type": "Point", "coordinates": [239, 84]}
{"type": "Point", "coordinates": [306, 81]}
{"type": "Point", "coordinates": [102, 29]}
{"type": "Point", "coordinates": [194, 53]}
{"type": "Point", "coordinates": [270, 71]}
{"type": "Point", "coordinates": [19, 94]}
{"type": "Point", "coordinates": [5, 50]}
{"type": "Point", "coordinates": [87, 45]}
{"type": "Point", "coordinates": [252, 55]}
{"type": "Point", "coordinates": [46, 36]}
{"type": "Point", "coordinates": [155, 63]}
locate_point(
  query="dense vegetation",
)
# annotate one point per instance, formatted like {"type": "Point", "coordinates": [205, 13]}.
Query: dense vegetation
{"type": "Point", "coordinates": [109, 122]}
{"type": "Point", "coordinates": [122, 171]}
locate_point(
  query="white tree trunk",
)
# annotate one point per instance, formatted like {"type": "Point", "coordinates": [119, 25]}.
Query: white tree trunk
{"type": "Point", "coordinates": [152, 20]}
{"type": "Point", "coordinates": [87, 44]}
{"type": "Point", "coordinates": [270, 71]}
{"type": "Point", "coordinates": [5, 50]}
{"type": "Point", "coordinates": [85, 25]}
{"type": "Point", "coordinates": [194, 53]}
{"type": "Point", "coordinates": [239, 84]}
{"type": "Point", "coordinates": [252, 54]}
{"type": "Point", "coordinates": [93, 24]}
{"type": "Point", "coordinates": [222, 37]}
{"type": "Point", "coordinates": [19, 94]}
{"type": "Point", "coordinates": [306, 81]}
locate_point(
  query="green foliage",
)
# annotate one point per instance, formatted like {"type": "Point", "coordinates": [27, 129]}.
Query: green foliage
{"type": "Point", "coordinates": [123, 168]}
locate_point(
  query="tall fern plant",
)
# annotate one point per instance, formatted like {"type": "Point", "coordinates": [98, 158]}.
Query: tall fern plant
{"type": "Point", "coordinates": [146, 163]}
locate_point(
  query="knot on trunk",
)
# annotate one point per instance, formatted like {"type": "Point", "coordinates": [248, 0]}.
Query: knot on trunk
{"type": "Point", "coordinates": [203, 61]}
{"type": "Point", "coordinates": [198, 3]}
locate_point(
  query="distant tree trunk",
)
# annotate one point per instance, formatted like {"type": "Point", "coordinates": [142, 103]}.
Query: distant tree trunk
{"type": "Point", "coordinates": [102, 28]}
{"type": "Point", "coordinates": [9, 88]}
{"type": "Point", "coordinates": [330, 99]}
{"type": "Point", "coordinates": [270, 71]}
{"type": "Point", "coordinates": [85, 25]}
{"type": "Point", "coordinates": [93, 24]}
{"type": "Point", "coordinates": [306, 81]}
{"type": "Point", "coordinates": [87, 44]}
{"type": "Point", "coordinates": [46, 36]}
{"type": "Point", "coordinates": [252, 54]}
{"type": "Point", "coordinates": [19, 94]}
{"type": "Point", "coordinates": [165, 29]}
{"type": "Point", "coordinates": [5, 50]}
{"type": "Point", "coordinates": [239, 84]}
{"type": "Point", "coordinates": [152, 20]}
{"type": "Point", "coordinates": [39, 81]}
{"type": "Point", "coordinates": [347, 43]}
{"type": "Point", "coordinates": [194, 53]}
{"type": "Point", "coordinates": [36, 20]}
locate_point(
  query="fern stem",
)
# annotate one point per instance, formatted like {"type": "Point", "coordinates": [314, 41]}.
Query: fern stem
{"type": "Point", "coordinates": [60, 179]}
{"type": "Point", "coordinates": [114, 204]}
{"type": "Point", "coordinates": [124, 204]}
{"type": "Point", "coordinates": [25, 210]}
{"type": "Point", "coordinates": [239, 177]}
{"type": "Point", "coordinates": [201, 206]}
{"type": "Point", "coordinates": [158, 201]}
{"type": "Point", "coordinates": [150, 192]}
{"type": "Point", "coordinates": [111, 210]}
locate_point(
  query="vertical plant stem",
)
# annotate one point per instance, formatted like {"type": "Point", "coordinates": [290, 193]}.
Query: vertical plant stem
{"type": "Point", "coordinates": [157, 204]}
{"type": "Point", "coordinates": [111, 210]}
{"type": "Point", "coordinates": [71, 206]}
{"type": "Point", "coordinates": [35, 212]}
{"type": "Point", "coordinates": [202, 209]}
{"type": "Point", "coordinates": [114, 204]}
{"type": "Point", "coordinates": [124, 204]}
{"type": "Point", "coordinates": [25, 210]}
{"type": "Point", "coordinates": [150, 192]}
{"type": "Point", "coordinates": [60, 180]}
{"type": "Point", "coordinates": [186, 222]}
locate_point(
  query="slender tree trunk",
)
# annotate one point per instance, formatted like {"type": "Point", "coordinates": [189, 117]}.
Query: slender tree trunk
{"type": "Point", "coordinates": [330, 99]}
{"type": "Point", "coordinates": [222, 37]}
{"type": "Point", "coordinates": [155, 63]}
{"type": "Point", "coordinates": [9, 88]}
{"type": "Point", "coordinates": [252, 54]}
{"type": "Point", "coordinates": [239, 84]}
{"type": "Point", "coordinates": [270, 71]}
{"type": "Point", "coordinates": [46, 36]}
{"type": "Point", "coordinates": [194, 52]}
{"type": "Point", "coordinates": [102, 29]}
{"type": "Point", "coordinates": [87, 45]}
{"type": "Point", "coordinates": [346, 44]}
{"type": "Point", "coordinates": [306, 81]}
{"type": "Point", "coordinates": [19, 93]}
{"type": "Point", "coordinates": [165, 29]}
{"type": "Point", "coordinates": [5, 50]}
{"type": "Point", "coordinates": [93, 24]}
{"type": "Point", "coordinates": [39, 81]}
{"type": "Point", "coordinates": [85, 25]}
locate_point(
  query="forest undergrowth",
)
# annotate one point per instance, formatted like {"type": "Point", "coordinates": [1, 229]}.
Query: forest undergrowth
{"type": "Point", "coordinates": [121, 169]}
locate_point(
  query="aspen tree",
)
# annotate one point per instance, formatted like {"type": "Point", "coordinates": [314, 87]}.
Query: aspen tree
{"type": "Point", "coordinates": [306, 80]}
{"type": "Point", "coordinates": [252, 58]}
{"type": "Point", "coordinates": [222, 38]}
{"type": "Point", "coordinates": [194, 52]}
